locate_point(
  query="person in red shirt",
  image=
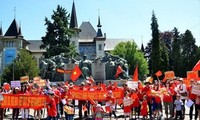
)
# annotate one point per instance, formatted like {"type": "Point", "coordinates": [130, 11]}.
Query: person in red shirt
{"type": "Point", "coordinates": [144, 107]}
{"type": "Point", "coordinates": [168, 99]}
{"type": "Point", "coordinates": [15, 114]}
{"type": "Point", "coordinates": [57, 96]}
{"type": "Point", "coordinates": [198, 104]}
{"type": "Point", "coordinates": [51, 107]}
{"type": "Point", "coordinates": [1, 109]}
{"type": "Point", "coordinates": [24, 111]}
{"type": "Point", "coordinates": [36, 91]}
{"type": "Point", "coordinates": [82, 103]}
{"type": "Point", "coordinates": [127, 105]}
{"type": "Point", "coordinates": [146, 91]}
{"type": "Point", "coordinates": [192, 97]}
{"type": "Point", "coordinates": [135, 105]}
{"type": "Point", "coordinates": [110, 104]}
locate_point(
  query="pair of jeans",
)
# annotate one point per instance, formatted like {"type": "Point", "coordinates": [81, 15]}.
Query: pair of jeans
{"type": "Point", "coordinates": [179, 114]}
{"type": "Point", "coordinates": [51, 118]}
{"type": "Point", "coordinates": [69, 116]}
{"type": "Point", "coordinates": [194, 106]}
{"type": "Point", "coordinates": [168, 108]}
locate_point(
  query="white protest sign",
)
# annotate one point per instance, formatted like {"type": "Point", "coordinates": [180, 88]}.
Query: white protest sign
{"type": "Point", "coordinates": [127, 102]}
{"type": "Point", "coordinates": [196, 89]}
{"type": "Point", "coordinates": [132, 84]}
{"type": "Point", "coordinates": [15, 83]}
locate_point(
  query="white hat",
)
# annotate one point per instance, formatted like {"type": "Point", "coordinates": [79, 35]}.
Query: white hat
{"type": "Point", "coordinates": [110, 91]}
{"type": "Point", "coordinates": [16, 88]}
{"type": "Point", "coordinates": [98, 105]}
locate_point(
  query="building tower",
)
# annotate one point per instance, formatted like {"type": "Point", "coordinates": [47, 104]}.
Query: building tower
{"type": "Point", "coordinates": [74, 27]}
{"type": "Point", "coordinates": [100, 40]}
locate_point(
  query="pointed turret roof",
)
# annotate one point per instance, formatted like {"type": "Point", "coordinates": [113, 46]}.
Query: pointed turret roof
{"type": "Point", "coordinates": [142, 48]}
{"type": "Point", "coordinates": [99, 32]}
{"type": "Point", "coordinates": [20, 32]}
{"type": "Point", "coordinates": [13, 30]}
{"type": "Point", "coordinates": [73, 20]}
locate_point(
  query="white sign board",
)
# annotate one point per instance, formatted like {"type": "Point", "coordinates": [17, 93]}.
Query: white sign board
{"type": "Point", "coordinates": [132, 84]}
{"type": "Point", "coordinates": [196, 89]}
{"type": "Point", "coordinates": [15, 83]}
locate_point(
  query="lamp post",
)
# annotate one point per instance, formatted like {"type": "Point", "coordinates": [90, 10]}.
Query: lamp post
{"type": "Point", "coordinates": [13, 72]}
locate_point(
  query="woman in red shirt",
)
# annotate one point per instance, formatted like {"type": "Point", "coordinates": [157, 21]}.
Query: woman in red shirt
{"type": "Point", "coordinates": [168, 100]}
{"type": "Point", "coordinates": [24, 111]}
{"type": "Point", "coordinates": [51, 107]}
{"type": "Point", "coordinates": [15, 114]}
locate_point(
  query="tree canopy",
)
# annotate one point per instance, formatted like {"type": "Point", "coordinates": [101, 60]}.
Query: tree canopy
{"type": "Point", "coordinates": [57, 38]}
{"type": "Point", "coordinates": [23, 65]}
{"type": "Point", "coordinates": [130, 52]}
{"type": "Point", "coordinates": [159, 59]}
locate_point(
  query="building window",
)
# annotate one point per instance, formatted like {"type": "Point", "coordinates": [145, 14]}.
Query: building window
{"type": "Point", "coordinates": [100, 47]}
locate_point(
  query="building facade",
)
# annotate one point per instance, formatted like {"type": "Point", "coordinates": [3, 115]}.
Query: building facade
{"type": "Point", "coordinates": [87, 41]}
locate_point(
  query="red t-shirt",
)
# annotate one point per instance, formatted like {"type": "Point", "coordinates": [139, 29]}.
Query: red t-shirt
{"type": "Point", "coordinates": [169, 97]}
{"type": "Point", "coordinates": [66, 95]}
{"type": "Point", "coordinates": [51, 108]}
{"type": "Point", "coordinates": [57, 96]}
{"type": "Point", "coordinates": [191, 95]}
{"type": "Point", "coordinates": [135, 98]}
{"type": "Point", "coordinates": [108, 98]}
{"type": "Point", "coordinates": [147, 91]}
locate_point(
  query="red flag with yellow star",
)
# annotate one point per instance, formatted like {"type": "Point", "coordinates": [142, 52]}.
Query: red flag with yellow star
{"type": "Point", "coordinates": [75, 73]}
{"type": "Point", "coordinates": [119, 70]}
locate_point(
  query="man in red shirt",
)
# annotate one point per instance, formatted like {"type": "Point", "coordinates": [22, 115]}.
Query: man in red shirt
{"type": "Point", "coordinates": [57, 96]}
{"type": "Point", "coordinates": [51, 107]}
{"type": "Point", "coordinates": [192, 97]}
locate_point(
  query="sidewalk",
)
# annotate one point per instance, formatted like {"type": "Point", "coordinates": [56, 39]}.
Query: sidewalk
{"type": "Point", "coordinates": [119, 113]}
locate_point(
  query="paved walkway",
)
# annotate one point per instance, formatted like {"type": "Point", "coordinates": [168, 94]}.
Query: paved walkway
{"type": "Point", "coordinates": [119, 114]}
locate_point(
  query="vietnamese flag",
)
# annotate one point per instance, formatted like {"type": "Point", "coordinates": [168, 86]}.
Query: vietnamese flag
{"type": "Point", "coordinates": [158, 74]}
{"type": "Point", "coordinates": [75, 73]}
{"type": "Point", "coordinates": [119, 70]}
{"type": "Point", "coordinates": [135, 75]}
{"type": "Point", "coordinates": [197, 66]}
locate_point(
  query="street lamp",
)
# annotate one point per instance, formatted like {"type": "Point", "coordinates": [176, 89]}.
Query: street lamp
{"type": "Point", "coordinates": [13, 71]}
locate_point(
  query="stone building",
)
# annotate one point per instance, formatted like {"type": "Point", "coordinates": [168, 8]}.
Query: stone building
{"type": "Point", "coordinates": [87, 41]}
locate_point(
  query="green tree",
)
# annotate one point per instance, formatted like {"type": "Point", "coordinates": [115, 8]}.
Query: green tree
{"type": "Point", "coordinates": [176, 53]}
{"type": "Point", "coordinates": [57, 38]}
{"type": "Point", "coordinates": [130, 52]}
{"type": "Point", "coordinates": [23, 65]}
{"type": "Point", "coordinates": [155, 57]}
{"type": "Point", "coordinates": [189, 54]}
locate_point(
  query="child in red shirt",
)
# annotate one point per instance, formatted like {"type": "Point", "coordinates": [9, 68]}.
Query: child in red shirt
{"type": "Point", "coordinates": [143, 111]}
{"type": "Point", "coordinates": [51, 107]}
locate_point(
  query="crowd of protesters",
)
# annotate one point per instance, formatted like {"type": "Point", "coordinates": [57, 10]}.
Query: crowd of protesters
{"type": "Point", "coordinates": [148, 101]}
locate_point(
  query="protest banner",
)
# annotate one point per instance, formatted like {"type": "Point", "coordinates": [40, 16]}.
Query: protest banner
{"type": "Point", "coordinates": [169, 75]}
{"type": "Point", "coordinates": [192, 75]}
{"type": "Point", "coordinates": [23, 101]}
{"type": "Point", "coordinates": [15, 84]}
{"type": "Point", "coordinates": [94, 95]}
{"type": "Point", "coordinates": [24, 79]}
{"type": "Point", "coordinates": [40, 82]}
